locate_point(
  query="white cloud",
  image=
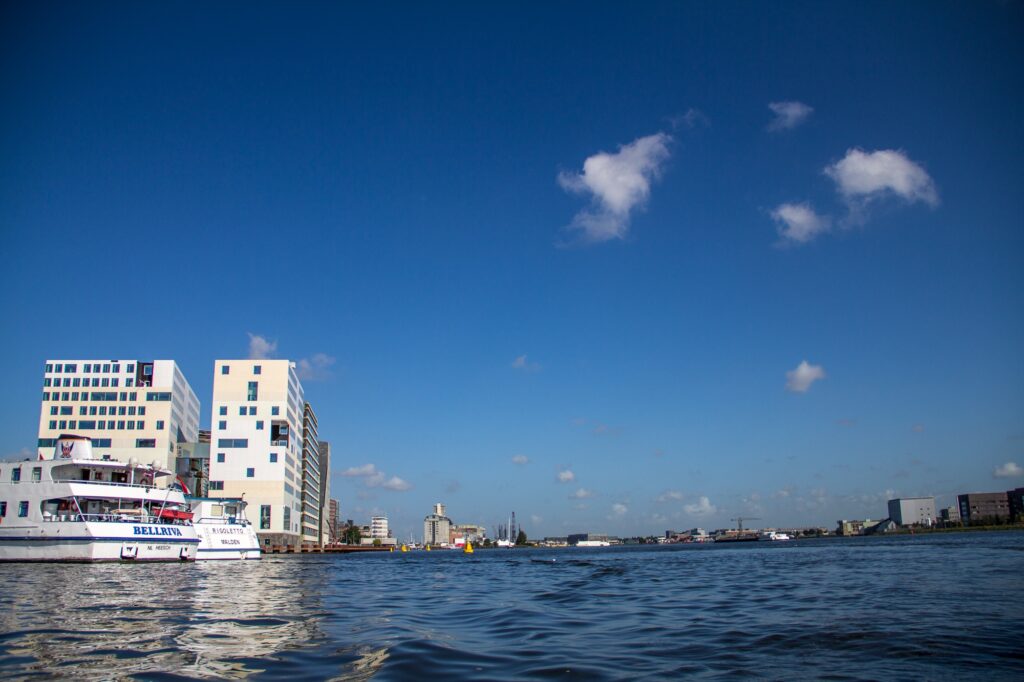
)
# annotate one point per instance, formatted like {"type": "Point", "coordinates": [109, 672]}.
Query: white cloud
{"type": "Point", "coordinates": [581, 494]}
{"type": "Point", "coordinates": [798, 223]}
{"type": "Point", "coordinates": [566, 476]}
{"type": "Point", "coordinates": [619, 509]}
{"type": "Point", "coordinates": [702, 507]}
{"type": "Point", "coordinates": [520, 459]}
{"type": "Point", "coordinates": [1008, 470]}
{"type": "Point", "coordinates": [315, 368]}
{"type": "Point", "coordinates": [522, 363]}
{"type": "Point", "coordinates": [788, 115]}
{"type": "Point", "coordinates": [669, 495]}
{"type": "Point", "coordinates": [260, 347]}
{"type": "Point", "coordinates": [364, 470]}
{"type": "Point", "coordinates": [617, 183]}
{"type": "Point", "coordinates": [865, 176]}
{"type": "Point", "coordinates": [375, 478]}
{"type": "Point", "coordinates": [801, 378]}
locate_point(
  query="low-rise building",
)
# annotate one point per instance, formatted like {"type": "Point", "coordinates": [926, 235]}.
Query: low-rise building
{"type": "Point", "coordinates": [912, 511]}
{"type": "Point", "coordinates": [983, 507]}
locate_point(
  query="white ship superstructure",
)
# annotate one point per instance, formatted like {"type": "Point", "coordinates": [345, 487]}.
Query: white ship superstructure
{"type": "Point", "coordinates": [77, 508]}
{"type": "Point", "coordinates": [223, 530]}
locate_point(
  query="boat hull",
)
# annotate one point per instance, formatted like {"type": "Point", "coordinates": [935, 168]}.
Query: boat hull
{"type": "Point", "coordinates": [97, 541]}
{"type": "Point", "coordinates": [226, 542]}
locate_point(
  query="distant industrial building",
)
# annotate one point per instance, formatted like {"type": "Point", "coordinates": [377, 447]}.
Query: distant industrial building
{"type": "Point", "coordinates": [577, 538]}
{"type": "Point", "coordinates": [912, 511]}
{"type": "Point", "coordinates": [982, 507]}
{"type": "Point", "coordinates": [436, 526]}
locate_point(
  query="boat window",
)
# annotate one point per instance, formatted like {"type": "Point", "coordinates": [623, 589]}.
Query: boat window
{"type": "Point", "coordinates": [23, 508]}
{"type": "Point", "coordinates": [3, 509]}
{"type": "Point", "coordinates": [15, 474]}
{"type": "Point", "coordinates": [216, 510]}
{"type": "Point", "coordinates": [37, 474]}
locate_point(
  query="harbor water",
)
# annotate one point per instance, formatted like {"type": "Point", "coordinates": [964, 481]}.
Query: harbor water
{"type": "Point", "coordinates": [942, 606]}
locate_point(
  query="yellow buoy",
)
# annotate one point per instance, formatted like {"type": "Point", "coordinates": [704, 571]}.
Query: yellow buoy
{"type": "Point", "coordinates": [428, 548]}
{"type": "Point", "coordinates": [404, 548]}
{"type": "Point", "coordinates": [469, 548]}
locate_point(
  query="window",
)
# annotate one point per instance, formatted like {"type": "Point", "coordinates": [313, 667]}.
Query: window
{"type": "Point", "coordinates": [140, 424]}
{"type": "Point", "coordinates": [47, 383]}
{"type": "Point", "coordinates": [23, 508]}
{"type": "Point", "coordinates": [72, 424]}
{"type": "Point", "coordinates": [66, 410]}
{"type": "Point", "coordinates": [74, 395]}
{"type": "Point", "coordinates": [37, 474]}
{"type": "Point", "coordinates": [220, 457]}
{"type": "Point", "coordinates": [232, 442]}
{"type": "Point", "coordinates": [53, 410]}
{"type": "Point", "coordinates": [273, 457]}
{"type": "Point", "coordinates": [46, 395]}
{"type": "Point", "coordinates": [53, 424]}
{"type": "Point", "coordinates": [3, 509]}
{"type": "Point", "coordinates": [103, 410]}
{"type": "Point", "coordinates": [250, 472]}
{"type": "Point", "coordinates": [101, 442]}
{"type": "Point", "coordinates": [59, 369]}
{"type": "Point", "coordinates": [222, 424]}
{"type": "Point", "coordinates": [87, 425]}
{"type": "Point", "coordinates": [241, 411]}
{"type": "Point", "coordinates": [124, 395]}
{"type": "Point", "coordinates": [64, 395]}
{"type": "Point", "coordinates": [259, 425]}
{"type": "Point", "coordinates": [95, 381]}
{"type": "Point", "coordinates": [145, 442]}
{"type": "Point", "coordinates": [47, 442]}
{"type": "Point", "coordinates": [49, 368]}
{"type": "Point", "coordinates": [257, 369]}
{"type": "Point", "coordinates": [159, 424]}
{"type": "Point", "coordinates": [131, 368]}
{"type": "Point", "coordinates": [120, 425]}
{"type": "Point", "coordinates": [264, 517]}
{"type": "Point", "coordinates": [76, 382]}
{"type": "Point", "coordinates": [287, 517]}
{"type": "Point", "coordinates": [113, 382]}
{"type": "Point", "coordinates": [70, 369]}
{"type": "Point", "coordinates": [252, 411]}
{"type": "Point", "coordinates": [106, 369]}
{"type": "Point", "coordinates": [142, 410]}
{"type": "Point", "coordinates": [15, 474]}
{"type": "Point", "coordinates": [63, 423]}
{"type": "Point", "coordinates": [131, 410]}
{"type": "Point", "coordinates": [82, 411]}
{"type": "Point", "coordinates": [153, 396]}
{"type": "Point", "coordinates": [120, 411]}
{"type": "Point", "coordinates": [129, 382]}
{"type": "Point", "coordinates": [275, 411]}
{"type": "Point", "coordinates": [117, 369]}
{"type": "Point", "coordinates": [225, 369]}
{"type": "Point", "coordinates": [105, 382]}
{"type": "Point", "coordinates": [67, 382]}
{"type": "Point", "coordinates": [253, 390]}
{"type": "Point", "coordinates": [92, 411]}
{"type": "Point", "coordinates": [134, 396]}
{"type": "Point", "coordinates": [216, 485]}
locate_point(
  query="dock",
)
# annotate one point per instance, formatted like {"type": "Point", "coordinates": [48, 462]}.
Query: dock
{"type": "Point", "coordinates": [326, 549]}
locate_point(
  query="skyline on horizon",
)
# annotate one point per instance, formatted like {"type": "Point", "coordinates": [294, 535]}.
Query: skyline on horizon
{"type": "Point", "coordinates": [619, 271]}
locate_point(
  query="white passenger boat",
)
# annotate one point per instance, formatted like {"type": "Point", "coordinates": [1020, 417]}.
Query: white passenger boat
{"type": "Point", "coordinates": [77, 508]}
{"type": "Point", "coordinates": [223, 530]}
{"type": "Point", "coordinates": [775, 536]}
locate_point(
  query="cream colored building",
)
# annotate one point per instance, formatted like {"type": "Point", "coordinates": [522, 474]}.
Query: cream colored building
{"type": "Point", "coordinates": [131, 409]}
{"type": "Point", "coordinates": [256, 444]}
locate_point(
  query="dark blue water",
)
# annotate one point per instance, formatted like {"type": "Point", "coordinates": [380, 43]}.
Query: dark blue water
{"type": "Point", "coordinates": [922, 607]}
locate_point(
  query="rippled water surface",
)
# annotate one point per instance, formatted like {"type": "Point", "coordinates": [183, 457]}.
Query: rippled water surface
{"type": "Point", "coordinates": [921, 607]}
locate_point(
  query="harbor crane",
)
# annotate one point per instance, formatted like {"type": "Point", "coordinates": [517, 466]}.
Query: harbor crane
{"type": "Point", "coordinates": [740, 519]}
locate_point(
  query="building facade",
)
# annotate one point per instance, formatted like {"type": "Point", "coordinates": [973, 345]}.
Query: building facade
{"type": "Point", "coordinates": [131, 409]}
{"type": "Point", "coordinates": [256, 444]}
{"type": "Point", "coordinates": [379, 528]}
{"type": "Point", "coordinates": [912, 511]}
{"type": "Point", "coordinates": [333, 525]}
{"type": "Point", "coordinates": [982, 507]}
{"type": "Point", "coordinates": [325, 492]}
{"type": "Point", "coordinates": [310, 477]}
{"type": "Point", "coordinates": [436, 526]}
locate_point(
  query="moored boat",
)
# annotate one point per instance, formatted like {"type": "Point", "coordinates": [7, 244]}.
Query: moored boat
{"type": "Point", "coordinates": [223, 530]}
{"type": "Point", "coordinates": [77, 508]}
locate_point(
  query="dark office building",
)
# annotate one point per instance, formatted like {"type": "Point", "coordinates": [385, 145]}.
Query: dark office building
{"type": "Point", "coordinates": [980, 507]}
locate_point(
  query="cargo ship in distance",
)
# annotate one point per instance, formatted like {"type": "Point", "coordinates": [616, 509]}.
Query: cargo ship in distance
{"type": "Point", "coordinates": [74, 507]}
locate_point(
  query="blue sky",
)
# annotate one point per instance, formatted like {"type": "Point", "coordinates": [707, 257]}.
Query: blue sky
{"type": "Point", "coordinates": [557, 260]}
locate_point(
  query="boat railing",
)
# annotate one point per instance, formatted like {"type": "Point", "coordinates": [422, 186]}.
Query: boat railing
{"type": "Point", "coordinates": [111, 517]}
{"type": "Point", "coordinates": [146, 486]}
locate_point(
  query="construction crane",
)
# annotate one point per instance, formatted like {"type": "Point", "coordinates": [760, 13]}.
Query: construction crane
{"type": "Point", "coordinates": [740, 519]}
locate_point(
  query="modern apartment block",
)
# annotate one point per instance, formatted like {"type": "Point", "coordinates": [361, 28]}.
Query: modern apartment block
{"type": "Point", "coordinates": [131, 409]}
{"type": "Point", "coordinates": [981, 507]}
{"type": "Point", "coordinates": [310, 478]}
{"type": "Point", "coordinates": [325, 492]}
{"type": "Point", "coordinates": [379, 528]}
{"type": "Point", "coordinates": [912, 511]}
{"type": "Point", "coordinates": [256, 444]}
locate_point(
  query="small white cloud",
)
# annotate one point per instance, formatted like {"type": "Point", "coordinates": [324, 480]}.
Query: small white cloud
{"type": "Point", "coordinates": [619, 509]}
{"type": "Point", "coordinates": [788, 115]}
{"type": "Point", "coordinates": [581, 494]}
{"type": "Point", "coordinates": [364, 470]}
{"type": "Point", "coordinates": [669, 496]}
{"type": "Point", "coordinates": [315, 368]}
{"type": "Point", "coordinates": [801, 378]}
{"type": "Point", "coordinates": [260, 347]}
{"type": "Point", "coordinates": [865, 176]}
{"type": "Point", "coordinates": [702, 507]}
{"type": "Point", "coordinates": [566, 476]}
{"type": "Point", "coordinates": [1008, 470]}
{"type": "Point", "coordinates": [520, 459]}
{"type": "Point", "coordinates": [524, 364]}
{"type": "Point", "coordinates": [798, 223]}
{"type": "Point", "coordinates": [617, 183]}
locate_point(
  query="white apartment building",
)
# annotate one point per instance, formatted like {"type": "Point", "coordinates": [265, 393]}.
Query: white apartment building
{"type": "Point", "coordinates": [379, 527]}
{"type": "Point", "coordinates": [137, 409]}
{"type": "Point", "coordinates": [256, 444]}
